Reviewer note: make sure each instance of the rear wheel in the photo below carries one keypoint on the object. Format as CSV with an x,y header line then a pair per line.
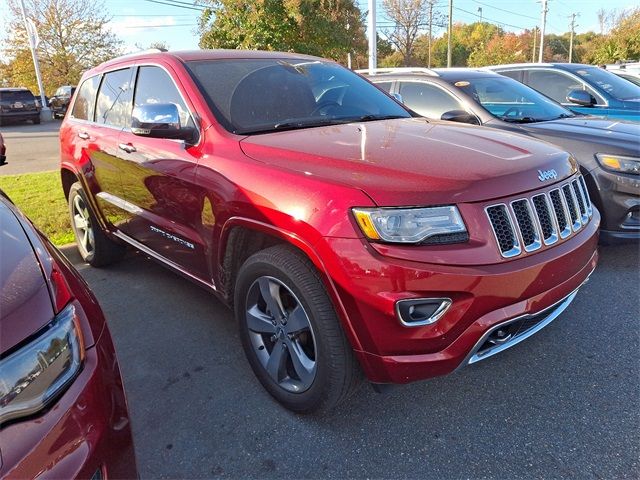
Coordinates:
x,y
291,334
94,246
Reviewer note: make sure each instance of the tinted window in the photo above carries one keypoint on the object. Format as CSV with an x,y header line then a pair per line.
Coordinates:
x,y
259,95
612,84
515,74
16,96
114,99
553,84
512,101
428,100
386,86
86,99
156,86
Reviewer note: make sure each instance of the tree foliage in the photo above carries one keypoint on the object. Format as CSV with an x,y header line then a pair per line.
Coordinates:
x,y
409,17
73,37
328,28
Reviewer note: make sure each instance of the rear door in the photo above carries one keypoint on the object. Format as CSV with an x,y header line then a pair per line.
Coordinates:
x,y
112,113
158,178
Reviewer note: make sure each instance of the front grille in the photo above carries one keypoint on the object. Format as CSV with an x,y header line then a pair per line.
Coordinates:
x,y
503,230
543,218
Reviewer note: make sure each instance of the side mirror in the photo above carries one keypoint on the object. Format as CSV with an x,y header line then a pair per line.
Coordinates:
x,y
581,97
460,116
159,120
398,97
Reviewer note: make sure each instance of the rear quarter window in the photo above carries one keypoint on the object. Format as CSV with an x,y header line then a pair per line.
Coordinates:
x,y
86,99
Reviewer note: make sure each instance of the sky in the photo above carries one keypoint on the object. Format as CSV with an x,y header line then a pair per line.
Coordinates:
x,y
140,23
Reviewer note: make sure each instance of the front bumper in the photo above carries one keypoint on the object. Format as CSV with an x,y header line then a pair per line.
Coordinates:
x,y
85,433
369,286
617,196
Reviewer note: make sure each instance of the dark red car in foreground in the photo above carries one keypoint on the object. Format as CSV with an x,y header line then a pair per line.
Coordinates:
x,y
349,236
63,412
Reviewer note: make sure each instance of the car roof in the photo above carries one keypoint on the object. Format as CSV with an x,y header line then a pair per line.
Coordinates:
x,y
195,55
562,66
14,89
444,74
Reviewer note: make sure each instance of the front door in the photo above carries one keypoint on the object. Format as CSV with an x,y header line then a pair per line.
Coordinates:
x,y
158,179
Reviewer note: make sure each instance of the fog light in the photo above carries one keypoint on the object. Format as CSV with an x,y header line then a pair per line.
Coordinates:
x,y
417,312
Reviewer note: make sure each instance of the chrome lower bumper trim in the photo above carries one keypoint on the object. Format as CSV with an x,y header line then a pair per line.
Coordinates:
x,y
553,312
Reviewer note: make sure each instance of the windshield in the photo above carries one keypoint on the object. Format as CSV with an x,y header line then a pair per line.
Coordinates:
x,y
512,101
261,95
615,86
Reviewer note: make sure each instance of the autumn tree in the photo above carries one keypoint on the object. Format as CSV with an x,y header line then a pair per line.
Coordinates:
x,y
73,34
328,28
409,17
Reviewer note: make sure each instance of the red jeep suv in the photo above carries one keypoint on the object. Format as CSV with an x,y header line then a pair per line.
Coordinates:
x,y
348,235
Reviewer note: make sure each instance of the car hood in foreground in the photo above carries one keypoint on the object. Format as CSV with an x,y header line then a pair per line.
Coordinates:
x,y
25,303
415,162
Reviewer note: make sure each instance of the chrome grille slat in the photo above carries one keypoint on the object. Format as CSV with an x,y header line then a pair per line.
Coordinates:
x,y
545,218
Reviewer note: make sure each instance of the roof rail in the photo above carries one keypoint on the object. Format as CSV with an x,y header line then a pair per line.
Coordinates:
x,y
426,71
140,52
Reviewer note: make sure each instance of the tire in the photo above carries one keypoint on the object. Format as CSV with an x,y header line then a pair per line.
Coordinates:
x,y
94,246
319,349
36,120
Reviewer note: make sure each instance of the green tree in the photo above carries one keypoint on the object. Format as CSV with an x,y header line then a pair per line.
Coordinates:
x,y
328,28
74,36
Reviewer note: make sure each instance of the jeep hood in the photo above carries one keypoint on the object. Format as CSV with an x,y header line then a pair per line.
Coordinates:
x,y
414,161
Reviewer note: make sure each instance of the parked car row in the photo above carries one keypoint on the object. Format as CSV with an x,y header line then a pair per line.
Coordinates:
x,y
20,104
607,150
354,236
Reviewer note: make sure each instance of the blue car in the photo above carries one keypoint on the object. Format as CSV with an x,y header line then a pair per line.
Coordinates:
x,y
584,89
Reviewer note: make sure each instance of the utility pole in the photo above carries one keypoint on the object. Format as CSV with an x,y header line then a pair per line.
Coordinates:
x,y
449,34
535,37
431,2
373,53
32,34
545,9
573,28
480,13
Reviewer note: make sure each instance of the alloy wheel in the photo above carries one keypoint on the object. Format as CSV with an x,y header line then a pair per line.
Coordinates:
x,y
281,334
82,226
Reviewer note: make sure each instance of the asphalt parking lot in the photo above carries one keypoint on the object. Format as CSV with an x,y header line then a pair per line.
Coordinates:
x,y
31,148
564,404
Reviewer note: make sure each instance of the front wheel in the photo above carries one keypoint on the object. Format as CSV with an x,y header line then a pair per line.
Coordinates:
x,y
291,334
94,246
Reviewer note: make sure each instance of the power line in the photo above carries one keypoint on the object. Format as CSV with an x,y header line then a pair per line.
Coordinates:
x,y
162,25
491,20
198,9
506,11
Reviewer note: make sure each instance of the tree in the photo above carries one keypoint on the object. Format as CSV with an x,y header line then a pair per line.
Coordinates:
x,y
74,36
328,28
409,16
507,48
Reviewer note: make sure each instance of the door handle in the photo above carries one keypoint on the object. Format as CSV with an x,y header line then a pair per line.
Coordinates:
x,y
83,135
127,147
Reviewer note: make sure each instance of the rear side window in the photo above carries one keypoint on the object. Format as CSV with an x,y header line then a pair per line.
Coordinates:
x,y
428,100
114,99
86,99
515,74
553,84
154,85
386,86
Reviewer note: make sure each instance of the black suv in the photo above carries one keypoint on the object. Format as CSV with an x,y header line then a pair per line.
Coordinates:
x,y
60,101
18,104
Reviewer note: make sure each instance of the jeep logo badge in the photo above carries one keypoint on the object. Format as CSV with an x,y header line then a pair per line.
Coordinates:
x,y
547,175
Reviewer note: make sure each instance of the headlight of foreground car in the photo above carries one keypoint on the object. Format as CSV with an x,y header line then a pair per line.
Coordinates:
x,y
412,225
619,163
37,373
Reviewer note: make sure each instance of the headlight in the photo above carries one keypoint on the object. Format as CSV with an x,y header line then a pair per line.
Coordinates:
x,y
35,374
619,163
412,225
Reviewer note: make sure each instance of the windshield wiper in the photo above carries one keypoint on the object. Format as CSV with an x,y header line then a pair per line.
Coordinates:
x,y
521,120
371,117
